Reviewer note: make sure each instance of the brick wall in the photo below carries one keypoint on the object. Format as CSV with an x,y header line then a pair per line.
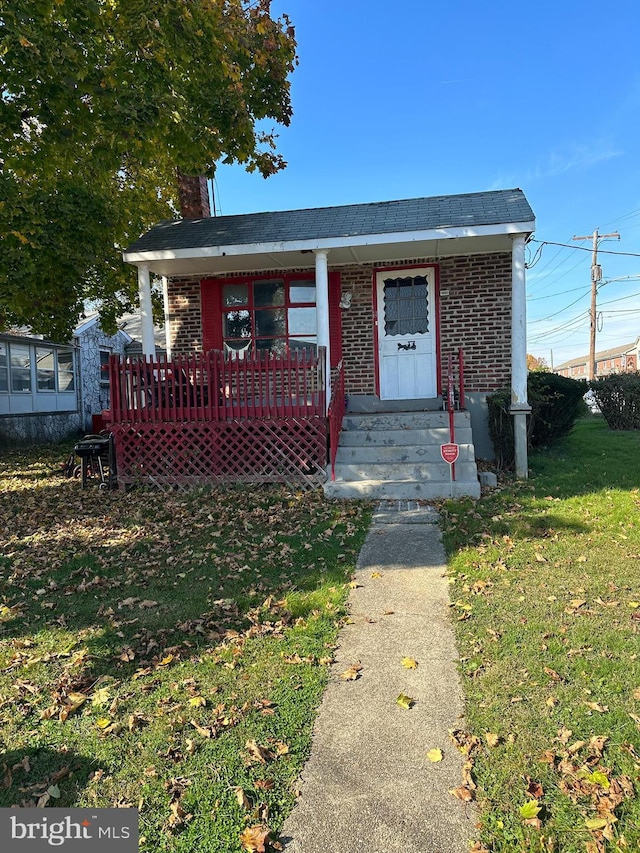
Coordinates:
x,y
475,314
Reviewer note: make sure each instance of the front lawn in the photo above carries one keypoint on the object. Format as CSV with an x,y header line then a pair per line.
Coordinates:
x,y
165,650
546,604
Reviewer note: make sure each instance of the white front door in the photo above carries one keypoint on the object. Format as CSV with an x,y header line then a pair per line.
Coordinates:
x,y
407,334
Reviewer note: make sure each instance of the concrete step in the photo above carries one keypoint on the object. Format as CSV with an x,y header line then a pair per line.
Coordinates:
x,y
409,471
404,453
401,489
396,456
404,437
404,420
365,403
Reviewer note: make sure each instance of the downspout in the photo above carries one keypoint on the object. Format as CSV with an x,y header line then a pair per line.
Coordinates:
x,y
146,311
520,407
322,313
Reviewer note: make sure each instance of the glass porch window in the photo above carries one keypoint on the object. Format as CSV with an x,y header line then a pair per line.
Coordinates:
x,y
269,315
4,369
66,379
20,368
45,369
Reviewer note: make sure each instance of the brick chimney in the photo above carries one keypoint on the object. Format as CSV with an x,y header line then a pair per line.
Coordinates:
x,y
193,193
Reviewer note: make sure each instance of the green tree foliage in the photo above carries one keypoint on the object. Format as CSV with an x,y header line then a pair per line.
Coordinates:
x,y
101,101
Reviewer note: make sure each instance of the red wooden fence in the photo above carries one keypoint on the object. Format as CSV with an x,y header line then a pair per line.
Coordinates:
x,y
217,387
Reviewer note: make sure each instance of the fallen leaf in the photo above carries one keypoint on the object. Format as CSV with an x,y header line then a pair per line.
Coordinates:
x,y
595,706
535,789
178,817
254,837
409,663
352,673
595,823
530,809
553,675
540,558
636,694
258,753
242,798
197,701
434,755
100,697
462,793
405,701
376,574
492,739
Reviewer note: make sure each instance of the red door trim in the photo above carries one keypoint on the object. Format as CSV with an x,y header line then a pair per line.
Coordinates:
x,y
436,289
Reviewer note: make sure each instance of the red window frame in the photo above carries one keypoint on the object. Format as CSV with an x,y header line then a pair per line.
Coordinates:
x,y
212,309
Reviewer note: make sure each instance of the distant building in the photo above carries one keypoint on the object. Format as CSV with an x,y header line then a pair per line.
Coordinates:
x,y
620,359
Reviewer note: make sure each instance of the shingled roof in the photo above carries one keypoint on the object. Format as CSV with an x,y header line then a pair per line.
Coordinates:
x,y
496,207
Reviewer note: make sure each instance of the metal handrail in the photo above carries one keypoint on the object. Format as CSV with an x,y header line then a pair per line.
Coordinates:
x,y
335,414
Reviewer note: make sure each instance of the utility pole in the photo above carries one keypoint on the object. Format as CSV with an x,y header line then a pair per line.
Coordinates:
x,y
596,278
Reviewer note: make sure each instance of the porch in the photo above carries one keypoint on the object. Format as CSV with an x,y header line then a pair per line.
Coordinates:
x,y
219,417
215,418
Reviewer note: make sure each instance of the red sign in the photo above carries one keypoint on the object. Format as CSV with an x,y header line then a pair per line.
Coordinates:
x,y
450,452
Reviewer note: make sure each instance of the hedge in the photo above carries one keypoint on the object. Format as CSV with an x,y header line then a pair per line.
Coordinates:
x,y
556,402
618,398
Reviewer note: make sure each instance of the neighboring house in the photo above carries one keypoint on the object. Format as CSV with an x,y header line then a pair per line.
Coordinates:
x,y
620,359
94,348
387,290
51,391
39,390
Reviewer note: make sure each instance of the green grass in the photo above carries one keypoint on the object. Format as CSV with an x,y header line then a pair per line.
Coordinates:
x,y
146,638
545,589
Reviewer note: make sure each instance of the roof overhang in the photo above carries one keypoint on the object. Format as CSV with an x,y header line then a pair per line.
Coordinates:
x,y
359,249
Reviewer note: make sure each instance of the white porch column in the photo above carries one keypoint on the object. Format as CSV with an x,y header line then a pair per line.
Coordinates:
x,y
167,321
322,311
146,311
520,407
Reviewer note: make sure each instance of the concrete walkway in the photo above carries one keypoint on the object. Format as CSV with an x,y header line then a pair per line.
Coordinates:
x,y
368,784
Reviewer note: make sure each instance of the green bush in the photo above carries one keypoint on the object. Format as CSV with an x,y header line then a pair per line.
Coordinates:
x,y
618,397
556,402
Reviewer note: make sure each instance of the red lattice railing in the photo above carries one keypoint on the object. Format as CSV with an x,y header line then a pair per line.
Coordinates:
x,y
281,450
335,413
217,387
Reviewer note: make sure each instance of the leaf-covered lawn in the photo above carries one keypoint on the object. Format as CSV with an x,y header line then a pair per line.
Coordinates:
x,y
546,603
165,651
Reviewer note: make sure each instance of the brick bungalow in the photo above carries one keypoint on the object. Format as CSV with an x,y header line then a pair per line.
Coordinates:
x,y
388,290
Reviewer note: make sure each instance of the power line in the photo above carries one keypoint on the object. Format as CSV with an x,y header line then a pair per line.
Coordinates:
x,y
586,248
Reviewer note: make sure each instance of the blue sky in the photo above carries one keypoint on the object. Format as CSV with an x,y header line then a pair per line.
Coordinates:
x,y
408,99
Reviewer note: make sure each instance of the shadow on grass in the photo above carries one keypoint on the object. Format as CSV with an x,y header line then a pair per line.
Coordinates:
x,y
26,775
